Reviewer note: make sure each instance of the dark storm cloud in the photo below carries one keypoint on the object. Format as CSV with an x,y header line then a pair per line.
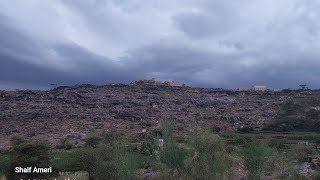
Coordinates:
x,y
227,70
207,43
18,54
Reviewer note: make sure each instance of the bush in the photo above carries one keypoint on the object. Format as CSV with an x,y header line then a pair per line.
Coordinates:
x,y
92,141
173,156
64,161
302,153
278,143
128,166
147,148
4,163
316,174
25,154
146,162
65,143
215,129
111,137
299,115
157,133
255,156
245,129
101,162
240,140
208,158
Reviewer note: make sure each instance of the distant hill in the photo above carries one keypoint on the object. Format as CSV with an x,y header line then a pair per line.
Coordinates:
x,y
77,111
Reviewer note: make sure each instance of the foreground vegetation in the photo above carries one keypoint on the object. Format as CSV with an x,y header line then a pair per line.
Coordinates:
x,y
196,154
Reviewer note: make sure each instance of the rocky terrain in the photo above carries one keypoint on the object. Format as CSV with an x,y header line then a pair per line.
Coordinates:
x,y
78,111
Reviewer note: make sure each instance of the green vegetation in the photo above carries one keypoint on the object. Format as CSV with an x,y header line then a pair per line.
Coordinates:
x,y
209,159
255,156
93,141
4,163
27,153
171,154
101,162
65,144
199,153
298,115
215,129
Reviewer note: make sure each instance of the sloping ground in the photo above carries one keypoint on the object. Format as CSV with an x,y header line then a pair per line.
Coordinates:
x,y
77,111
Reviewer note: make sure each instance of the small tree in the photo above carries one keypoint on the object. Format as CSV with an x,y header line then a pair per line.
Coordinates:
x,y
25,154
171,154
101,162
209,157
255,157
303,87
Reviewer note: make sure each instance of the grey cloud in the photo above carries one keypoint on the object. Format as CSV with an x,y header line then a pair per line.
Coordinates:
x,y
207,43
212,18
223,70
18,53
198,25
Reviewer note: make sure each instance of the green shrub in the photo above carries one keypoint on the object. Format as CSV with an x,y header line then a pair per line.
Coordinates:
x,y
25,154
241,140
292,174
4,163
101,162
147,148
278,143
65,143
208,158
255,156
64,161
157,133
167,130
215,129
133,148
173,156
146,162
316,174
111,137
302,152
128,166
298,115
245,130
93,141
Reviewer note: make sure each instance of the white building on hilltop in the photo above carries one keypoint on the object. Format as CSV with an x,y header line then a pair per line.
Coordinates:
x,y
259,88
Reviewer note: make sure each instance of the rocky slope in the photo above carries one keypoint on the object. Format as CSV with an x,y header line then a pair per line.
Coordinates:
x,y
78,111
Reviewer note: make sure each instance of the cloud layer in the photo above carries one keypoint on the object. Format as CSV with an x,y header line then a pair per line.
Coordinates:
x,y
208,43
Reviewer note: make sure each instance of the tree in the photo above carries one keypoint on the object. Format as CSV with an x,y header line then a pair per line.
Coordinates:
x,y
303,87
101,162
26,154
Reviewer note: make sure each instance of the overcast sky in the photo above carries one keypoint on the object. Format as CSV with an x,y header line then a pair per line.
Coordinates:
x,y
206,43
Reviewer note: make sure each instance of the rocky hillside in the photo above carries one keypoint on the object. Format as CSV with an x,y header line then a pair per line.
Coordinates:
x,y
78,111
